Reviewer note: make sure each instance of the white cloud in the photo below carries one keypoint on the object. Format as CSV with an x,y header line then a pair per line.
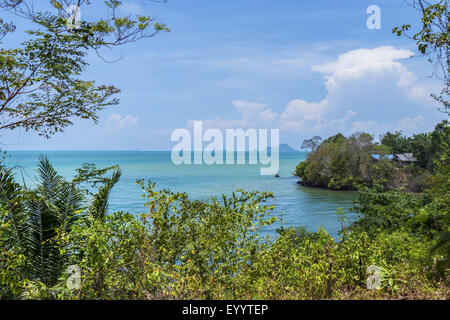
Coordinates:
x,y
407,125
411,124
116,122
252,115
353,63
130,8
306,110
372,65
367,90
366,126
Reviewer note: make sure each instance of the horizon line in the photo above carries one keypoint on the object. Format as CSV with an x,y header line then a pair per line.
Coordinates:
x,y
131,151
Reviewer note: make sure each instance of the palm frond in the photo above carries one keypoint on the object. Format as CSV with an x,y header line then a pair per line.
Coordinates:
x,y
48,179
36,216
53,206
99,206
70,204
43,223
11,201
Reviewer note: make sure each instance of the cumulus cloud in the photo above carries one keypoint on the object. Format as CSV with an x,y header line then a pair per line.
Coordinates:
x,y
117,122
367,90
356,63
251,115
370,66
407,125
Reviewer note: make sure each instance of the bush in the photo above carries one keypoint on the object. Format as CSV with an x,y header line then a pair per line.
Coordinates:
x,y
213,249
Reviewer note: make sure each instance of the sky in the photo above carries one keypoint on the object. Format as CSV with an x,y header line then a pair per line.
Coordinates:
x,y
304,67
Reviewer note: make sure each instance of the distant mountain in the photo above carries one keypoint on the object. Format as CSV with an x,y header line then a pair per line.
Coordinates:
x,y
284,147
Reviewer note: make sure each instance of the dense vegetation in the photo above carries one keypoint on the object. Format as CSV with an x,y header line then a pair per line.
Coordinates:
x,y
347,163
189,249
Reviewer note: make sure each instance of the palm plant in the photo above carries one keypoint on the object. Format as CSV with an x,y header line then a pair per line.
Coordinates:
x,y
54,204
99,205
11,195
36,216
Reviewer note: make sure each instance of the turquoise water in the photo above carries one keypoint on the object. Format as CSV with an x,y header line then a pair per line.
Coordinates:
x,y
297,205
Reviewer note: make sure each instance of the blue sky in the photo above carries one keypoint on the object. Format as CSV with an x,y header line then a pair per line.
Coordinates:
x,y
305,67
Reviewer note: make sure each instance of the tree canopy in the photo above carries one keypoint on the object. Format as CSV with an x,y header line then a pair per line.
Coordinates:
x,y
347,163
41,83
433,39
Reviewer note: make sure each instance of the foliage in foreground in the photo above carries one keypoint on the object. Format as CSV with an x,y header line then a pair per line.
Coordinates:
x,y
32,219
190,249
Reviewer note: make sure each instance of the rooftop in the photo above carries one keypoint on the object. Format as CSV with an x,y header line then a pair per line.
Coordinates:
x,y
405,157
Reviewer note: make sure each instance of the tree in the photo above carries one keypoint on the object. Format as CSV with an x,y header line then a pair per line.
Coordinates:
x,y
396,141
311,144
431,147
346,164
40,83
36,216
110,30
421,148
433,41
359,146
440,138
6,27
30,219
338,138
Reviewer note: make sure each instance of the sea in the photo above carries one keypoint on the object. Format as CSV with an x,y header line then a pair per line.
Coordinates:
x,y
296,205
